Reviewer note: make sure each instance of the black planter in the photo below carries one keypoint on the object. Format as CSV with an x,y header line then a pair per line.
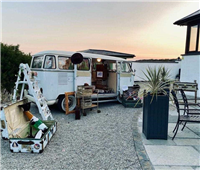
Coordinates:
x,y
155,116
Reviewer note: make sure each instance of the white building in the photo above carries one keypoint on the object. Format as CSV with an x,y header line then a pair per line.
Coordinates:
x,y
190,64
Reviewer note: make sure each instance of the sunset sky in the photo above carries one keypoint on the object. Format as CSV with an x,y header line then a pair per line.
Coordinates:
x,y
142,28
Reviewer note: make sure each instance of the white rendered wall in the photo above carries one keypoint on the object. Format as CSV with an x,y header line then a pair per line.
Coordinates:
x,y
140,67
190,70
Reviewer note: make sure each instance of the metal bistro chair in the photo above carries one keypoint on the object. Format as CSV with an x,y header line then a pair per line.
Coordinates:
x,y
189,115
187,109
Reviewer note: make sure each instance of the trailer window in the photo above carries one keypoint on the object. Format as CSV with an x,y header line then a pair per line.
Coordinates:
x,y
50,62
65,63
84,65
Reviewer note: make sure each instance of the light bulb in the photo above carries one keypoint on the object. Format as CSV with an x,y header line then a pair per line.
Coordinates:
x,y
99,59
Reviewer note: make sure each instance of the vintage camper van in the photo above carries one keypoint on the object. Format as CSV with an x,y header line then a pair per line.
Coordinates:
x,y
56,74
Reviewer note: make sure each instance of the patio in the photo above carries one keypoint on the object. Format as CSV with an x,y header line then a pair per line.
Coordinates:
x,y
181,153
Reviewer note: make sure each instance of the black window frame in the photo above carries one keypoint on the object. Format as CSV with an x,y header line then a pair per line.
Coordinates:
x,y
187,48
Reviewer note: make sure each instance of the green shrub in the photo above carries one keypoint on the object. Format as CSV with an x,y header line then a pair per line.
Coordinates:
x,y
11,57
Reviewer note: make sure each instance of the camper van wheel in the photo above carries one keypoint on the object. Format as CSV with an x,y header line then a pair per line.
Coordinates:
x,y
71,103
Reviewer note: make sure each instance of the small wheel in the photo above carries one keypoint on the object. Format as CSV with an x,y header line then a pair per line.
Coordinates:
x,y
84,114
77,114
71,103
98,111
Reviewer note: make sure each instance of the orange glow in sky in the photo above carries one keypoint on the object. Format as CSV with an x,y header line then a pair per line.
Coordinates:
x,y
142,28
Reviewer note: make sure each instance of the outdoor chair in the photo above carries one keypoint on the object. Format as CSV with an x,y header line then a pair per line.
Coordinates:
x,y
187,110
186,101
188,115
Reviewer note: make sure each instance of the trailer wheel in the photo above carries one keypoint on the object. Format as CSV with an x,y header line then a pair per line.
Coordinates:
x,y
71,103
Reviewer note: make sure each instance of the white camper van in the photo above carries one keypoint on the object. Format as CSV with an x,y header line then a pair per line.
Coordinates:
x,y
56,74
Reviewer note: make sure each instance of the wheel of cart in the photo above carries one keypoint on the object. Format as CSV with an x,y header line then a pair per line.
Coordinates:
x,y
84,113
98,111
77,113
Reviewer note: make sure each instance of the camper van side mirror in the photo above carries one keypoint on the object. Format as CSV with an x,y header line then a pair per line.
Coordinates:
x,y
76,58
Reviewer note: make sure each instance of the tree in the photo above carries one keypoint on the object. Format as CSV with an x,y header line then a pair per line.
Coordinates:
x,y
11,57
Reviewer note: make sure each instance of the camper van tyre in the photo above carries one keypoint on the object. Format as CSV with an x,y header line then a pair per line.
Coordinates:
x,y
71,102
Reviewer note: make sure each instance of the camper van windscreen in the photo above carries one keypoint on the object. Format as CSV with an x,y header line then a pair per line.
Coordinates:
x,y
50,62
37,62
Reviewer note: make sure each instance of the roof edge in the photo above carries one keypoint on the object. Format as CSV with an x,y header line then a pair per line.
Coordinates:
x,y
193,17
108,53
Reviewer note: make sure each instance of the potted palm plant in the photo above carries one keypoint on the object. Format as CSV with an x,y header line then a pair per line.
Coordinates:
x,y
164,74
156,103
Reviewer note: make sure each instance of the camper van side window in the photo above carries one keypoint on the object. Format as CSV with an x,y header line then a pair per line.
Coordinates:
x,y
65,63
84,65
50,62
112,67
37,62
125,67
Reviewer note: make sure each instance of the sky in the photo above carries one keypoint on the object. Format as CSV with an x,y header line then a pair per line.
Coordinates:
x,y
142,28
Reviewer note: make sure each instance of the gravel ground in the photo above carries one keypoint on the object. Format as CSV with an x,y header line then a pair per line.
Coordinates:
x,y
97,141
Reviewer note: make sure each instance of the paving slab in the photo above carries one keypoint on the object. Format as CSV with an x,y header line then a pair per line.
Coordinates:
x,y
195,127
188,142
197,148
154,141
173,168
173,155
186,133
157,142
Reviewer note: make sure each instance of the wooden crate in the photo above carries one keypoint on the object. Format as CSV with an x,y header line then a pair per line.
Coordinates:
x,y
84,90
87,102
